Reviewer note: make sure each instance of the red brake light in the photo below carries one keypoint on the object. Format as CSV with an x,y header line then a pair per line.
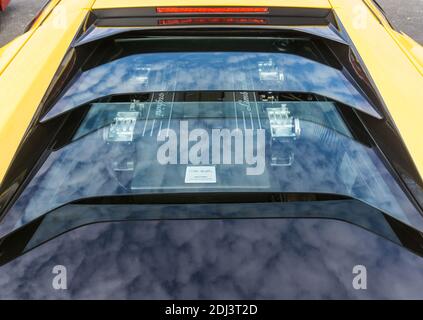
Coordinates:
x,y
212,21
219,10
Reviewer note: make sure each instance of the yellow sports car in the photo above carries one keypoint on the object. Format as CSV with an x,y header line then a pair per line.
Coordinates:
x,y
226,149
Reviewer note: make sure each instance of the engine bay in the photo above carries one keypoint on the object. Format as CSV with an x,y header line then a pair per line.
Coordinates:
x,y
238,138
211,141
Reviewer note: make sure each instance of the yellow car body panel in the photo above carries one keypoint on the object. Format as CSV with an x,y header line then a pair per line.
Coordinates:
x,y
9,51
25,80
412,49
106,4
397,78
44,14
28,65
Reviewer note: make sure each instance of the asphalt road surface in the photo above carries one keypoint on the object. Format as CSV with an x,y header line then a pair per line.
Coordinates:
x,y
406,15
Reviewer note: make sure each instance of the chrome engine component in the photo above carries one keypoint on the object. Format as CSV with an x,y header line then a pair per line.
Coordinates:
x,y
284,130
123,127
282,125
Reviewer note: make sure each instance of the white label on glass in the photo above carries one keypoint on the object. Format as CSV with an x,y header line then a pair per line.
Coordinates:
x,y
200,174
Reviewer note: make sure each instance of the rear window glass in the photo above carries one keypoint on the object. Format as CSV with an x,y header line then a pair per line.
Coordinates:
x,y
296,66
236,144
182,122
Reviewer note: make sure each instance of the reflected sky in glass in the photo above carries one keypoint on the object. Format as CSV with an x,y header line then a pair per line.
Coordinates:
x,y
216,259
203,71
326,159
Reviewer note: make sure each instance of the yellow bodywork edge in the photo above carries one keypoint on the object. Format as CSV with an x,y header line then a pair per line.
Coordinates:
x,y
395,75
10,50
24,82
411,48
